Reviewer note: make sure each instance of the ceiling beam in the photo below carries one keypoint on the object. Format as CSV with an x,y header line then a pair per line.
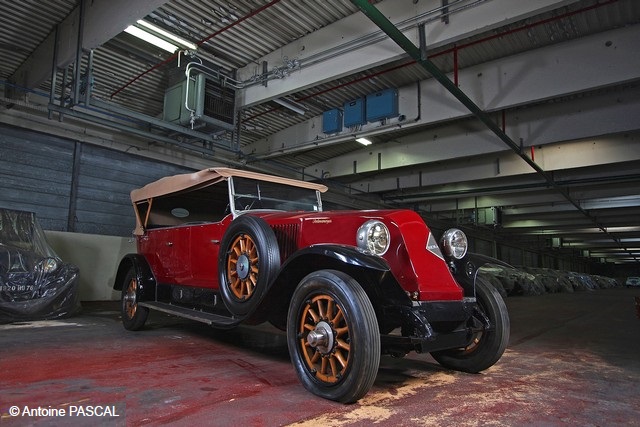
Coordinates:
x,y
103,20
582,65
439,168
351,45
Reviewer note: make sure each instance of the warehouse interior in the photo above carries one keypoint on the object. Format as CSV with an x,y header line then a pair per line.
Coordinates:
x,y
517,122
560,78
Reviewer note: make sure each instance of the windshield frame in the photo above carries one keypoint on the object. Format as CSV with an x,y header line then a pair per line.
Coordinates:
x,y
236,211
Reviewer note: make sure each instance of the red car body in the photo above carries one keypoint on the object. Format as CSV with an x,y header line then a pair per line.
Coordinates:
x,y
418,270
229,247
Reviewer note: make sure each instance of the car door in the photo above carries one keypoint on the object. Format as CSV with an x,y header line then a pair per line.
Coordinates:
x,y
205,247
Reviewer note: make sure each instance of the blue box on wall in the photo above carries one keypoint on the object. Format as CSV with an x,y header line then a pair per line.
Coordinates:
x,y
332,121
354,113
382,105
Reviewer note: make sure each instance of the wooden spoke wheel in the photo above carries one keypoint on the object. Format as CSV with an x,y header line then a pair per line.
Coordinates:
x,y
333,336
133,315
243,267
326,344
249,262
487,345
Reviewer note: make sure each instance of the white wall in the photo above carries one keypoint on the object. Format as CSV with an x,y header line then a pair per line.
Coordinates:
x,y
96,256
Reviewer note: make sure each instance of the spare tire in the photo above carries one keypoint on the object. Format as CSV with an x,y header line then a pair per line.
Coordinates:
x,y
249,261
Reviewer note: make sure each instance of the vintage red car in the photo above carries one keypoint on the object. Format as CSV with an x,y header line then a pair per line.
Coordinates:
x,y
229,247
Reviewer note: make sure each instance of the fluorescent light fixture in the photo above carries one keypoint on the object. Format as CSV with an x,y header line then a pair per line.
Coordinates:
x,y
364,141
150,38
178,40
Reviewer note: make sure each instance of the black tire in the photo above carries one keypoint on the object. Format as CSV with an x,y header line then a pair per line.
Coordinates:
x,y
486,347
133,315
341,362
249,261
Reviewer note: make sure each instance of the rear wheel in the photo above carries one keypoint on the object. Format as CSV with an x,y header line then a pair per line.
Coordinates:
x,y
487,344
133,316
333,336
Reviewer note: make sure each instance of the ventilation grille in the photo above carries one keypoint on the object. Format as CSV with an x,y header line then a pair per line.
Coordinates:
x,y
287,237
219,102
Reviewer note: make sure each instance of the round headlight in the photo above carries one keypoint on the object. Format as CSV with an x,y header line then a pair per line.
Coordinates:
x,y
373,236
454,243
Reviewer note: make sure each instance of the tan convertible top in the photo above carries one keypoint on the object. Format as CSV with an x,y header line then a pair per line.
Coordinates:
x,y
203,178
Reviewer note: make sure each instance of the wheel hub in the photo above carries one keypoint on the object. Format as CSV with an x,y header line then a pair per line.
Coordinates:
x,y
321,338
243,266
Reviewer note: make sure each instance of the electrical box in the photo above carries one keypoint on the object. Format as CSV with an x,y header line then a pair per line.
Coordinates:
x,y
174,110
382,105
332,121
489,216
354,113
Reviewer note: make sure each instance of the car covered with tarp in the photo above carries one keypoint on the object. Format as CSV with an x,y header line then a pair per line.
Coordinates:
x,y
35,284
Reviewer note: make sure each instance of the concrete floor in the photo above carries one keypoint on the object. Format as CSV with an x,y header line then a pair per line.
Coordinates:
x,y
573,359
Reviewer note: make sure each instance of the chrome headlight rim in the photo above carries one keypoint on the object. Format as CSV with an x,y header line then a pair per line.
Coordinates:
x,y
373,236
454,243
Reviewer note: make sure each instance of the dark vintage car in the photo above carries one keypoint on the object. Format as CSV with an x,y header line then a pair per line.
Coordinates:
x,y
35,284
229,247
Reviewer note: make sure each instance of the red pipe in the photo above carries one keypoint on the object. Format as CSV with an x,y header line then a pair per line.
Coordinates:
x,y
455,66
533,156
200,43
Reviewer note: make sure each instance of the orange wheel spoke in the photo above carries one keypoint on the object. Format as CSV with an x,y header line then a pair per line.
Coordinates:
x,y
330,308
340,357
342,331
334,367
314,315
344,345
338,317
324,366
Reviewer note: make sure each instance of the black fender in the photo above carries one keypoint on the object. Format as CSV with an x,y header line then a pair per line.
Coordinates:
x,y
372,273
465,270
146,279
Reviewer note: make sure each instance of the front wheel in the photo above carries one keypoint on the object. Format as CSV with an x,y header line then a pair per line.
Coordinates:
x,y
487,345
133,315
333,336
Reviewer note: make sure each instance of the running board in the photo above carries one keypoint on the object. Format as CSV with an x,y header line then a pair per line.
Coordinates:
x,y
215,320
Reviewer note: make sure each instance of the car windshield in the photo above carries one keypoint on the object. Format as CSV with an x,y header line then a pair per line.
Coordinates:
x,y
251,194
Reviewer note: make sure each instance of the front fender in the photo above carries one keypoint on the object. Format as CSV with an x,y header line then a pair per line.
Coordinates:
x,y
466,269
372,273
346,255
144,275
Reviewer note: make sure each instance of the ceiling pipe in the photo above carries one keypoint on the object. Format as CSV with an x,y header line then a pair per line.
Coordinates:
x,y
415,52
